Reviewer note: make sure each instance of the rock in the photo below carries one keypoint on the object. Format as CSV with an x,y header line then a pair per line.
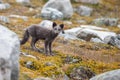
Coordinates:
x,y
106,21
81,73
112,40
4,19
118,36
86,35
63,6
96,40
88,32
110,75
81,21
72,34
9,57
88,1
46,23
30,56
118,26
84,10
4,6
69,59
25,18
48,64
29,64
24,2
51,14
43,78
66,77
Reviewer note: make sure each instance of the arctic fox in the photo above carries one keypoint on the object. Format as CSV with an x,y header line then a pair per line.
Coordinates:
x,y
37,32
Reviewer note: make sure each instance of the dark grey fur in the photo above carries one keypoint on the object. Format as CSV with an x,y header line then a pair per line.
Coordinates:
x,y
37,32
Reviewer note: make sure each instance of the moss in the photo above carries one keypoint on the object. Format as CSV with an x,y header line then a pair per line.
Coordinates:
x,y
96,66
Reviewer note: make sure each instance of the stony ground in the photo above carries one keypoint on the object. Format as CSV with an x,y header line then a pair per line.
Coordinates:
x,y
98,57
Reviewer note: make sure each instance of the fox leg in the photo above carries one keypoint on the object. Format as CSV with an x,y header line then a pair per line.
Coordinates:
x,y
34,40
50,49
46,47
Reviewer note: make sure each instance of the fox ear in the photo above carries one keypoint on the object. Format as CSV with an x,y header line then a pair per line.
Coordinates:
x,y
62,26
54,24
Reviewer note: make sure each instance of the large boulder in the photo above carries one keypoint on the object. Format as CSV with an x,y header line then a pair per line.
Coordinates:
x,y
4,6
81,73
110,75
88,1
9,54
112,40
86,35
64,6
106,21
51,14
84,10
87,32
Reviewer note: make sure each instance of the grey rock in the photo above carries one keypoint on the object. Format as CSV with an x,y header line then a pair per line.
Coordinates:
x,y
46,24
49,64
28,55
118,36
93,31
69,59
70,34
66,77
63,6
51,13
75,60
84,10
88,1
29,64
96,40
25,18
4,19
112,40
110,75
23,1
9,59
81,73
43,78
118,25
106,21
86,35
81,21
4,6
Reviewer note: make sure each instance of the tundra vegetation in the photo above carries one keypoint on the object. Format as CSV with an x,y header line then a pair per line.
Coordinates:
x,y
96,56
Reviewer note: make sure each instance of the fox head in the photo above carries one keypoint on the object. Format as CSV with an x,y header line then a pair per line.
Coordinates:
x,y
58,28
